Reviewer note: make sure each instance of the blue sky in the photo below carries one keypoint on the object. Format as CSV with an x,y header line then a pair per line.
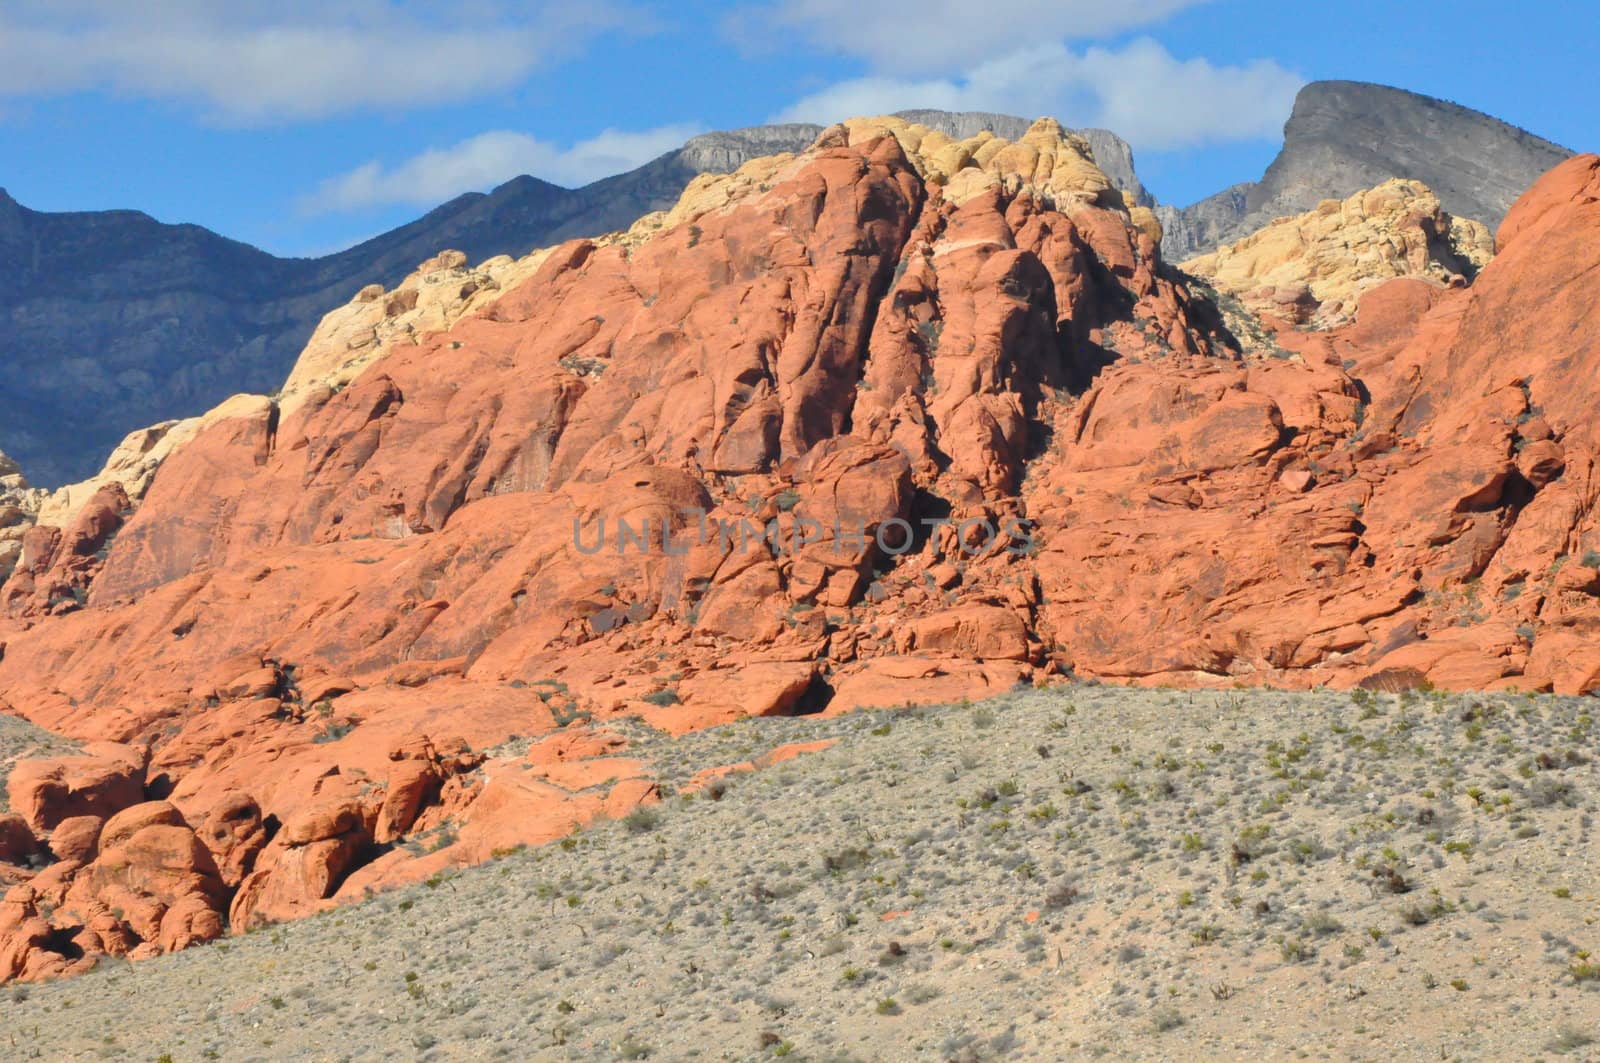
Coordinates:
x,y
303,127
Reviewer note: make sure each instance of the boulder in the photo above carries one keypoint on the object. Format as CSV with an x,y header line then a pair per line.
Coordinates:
x,y
17,842
130,821
76,839
411,782
977,632
102,782
235,834
303,864
142,876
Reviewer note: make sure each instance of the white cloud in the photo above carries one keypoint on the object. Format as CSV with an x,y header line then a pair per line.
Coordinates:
x,y
919,36
1140,91
486,160
272,60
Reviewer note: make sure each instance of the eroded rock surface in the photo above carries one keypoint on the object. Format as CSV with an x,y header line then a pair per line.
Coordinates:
x,y
114,314
979,436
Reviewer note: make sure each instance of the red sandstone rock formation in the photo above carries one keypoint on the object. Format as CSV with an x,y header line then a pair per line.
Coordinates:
x,y
854,345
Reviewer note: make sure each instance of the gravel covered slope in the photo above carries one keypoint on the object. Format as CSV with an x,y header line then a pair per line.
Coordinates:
x,y
1079,872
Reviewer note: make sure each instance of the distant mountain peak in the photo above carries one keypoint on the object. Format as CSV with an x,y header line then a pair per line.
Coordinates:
x,y
523,183
1346,136
1343,98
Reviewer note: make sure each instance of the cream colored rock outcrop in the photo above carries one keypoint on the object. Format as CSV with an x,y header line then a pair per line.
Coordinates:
x,y
1313,267
19,504
135,461
376,321
1054,165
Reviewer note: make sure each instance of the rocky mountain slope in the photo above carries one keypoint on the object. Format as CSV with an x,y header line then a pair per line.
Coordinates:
x,y
1346,136
366,796
114,320
902,418
1073,873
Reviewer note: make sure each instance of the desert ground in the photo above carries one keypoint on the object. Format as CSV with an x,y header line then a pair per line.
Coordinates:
x,y
1076,872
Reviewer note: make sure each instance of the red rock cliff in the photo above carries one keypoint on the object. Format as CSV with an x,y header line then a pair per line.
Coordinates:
x,y
296,650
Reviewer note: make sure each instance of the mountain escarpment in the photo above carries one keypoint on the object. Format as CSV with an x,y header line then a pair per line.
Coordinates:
x,y
350,637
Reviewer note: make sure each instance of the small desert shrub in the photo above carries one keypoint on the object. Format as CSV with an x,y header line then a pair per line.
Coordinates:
x,y
333,732
628,1048
846,859
1569,1039
1414,915
1061,895
642,819
1583,969
1322,923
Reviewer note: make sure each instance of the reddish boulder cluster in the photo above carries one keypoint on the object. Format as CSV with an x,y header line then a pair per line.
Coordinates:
x,y
980,440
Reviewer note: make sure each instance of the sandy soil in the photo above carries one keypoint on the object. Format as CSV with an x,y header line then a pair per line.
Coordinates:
x,y
1075,873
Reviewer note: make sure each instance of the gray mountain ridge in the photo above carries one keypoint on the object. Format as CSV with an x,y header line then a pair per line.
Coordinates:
x,y
1345,136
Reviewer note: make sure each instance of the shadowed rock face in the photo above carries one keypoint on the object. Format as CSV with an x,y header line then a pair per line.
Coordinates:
x,y
1345,136
114,320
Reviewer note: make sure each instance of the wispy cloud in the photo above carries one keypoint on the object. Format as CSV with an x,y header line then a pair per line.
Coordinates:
x,y
911,37
1140,91
252,61
486,160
